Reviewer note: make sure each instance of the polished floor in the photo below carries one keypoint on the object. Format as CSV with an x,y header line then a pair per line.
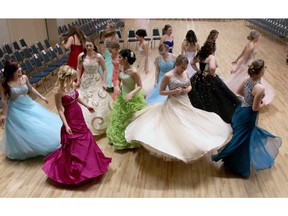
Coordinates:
x,y
138,174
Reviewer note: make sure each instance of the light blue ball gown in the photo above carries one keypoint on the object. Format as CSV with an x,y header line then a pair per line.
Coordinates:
x,y
30,129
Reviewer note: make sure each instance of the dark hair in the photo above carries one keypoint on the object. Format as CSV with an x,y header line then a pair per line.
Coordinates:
x,y
78,31
166,27
181,59
141,33
9,69
255,67
207,49
127,53
191,37
89,39
212,35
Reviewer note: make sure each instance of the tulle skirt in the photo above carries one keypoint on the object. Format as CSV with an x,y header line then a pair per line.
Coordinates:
x,y
30,129
249,144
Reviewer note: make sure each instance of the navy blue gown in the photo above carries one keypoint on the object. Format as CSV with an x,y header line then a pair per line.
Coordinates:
x,y
250,143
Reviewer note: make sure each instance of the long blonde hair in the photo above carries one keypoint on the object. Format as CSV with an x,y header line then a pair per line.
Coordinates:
x,y
66,76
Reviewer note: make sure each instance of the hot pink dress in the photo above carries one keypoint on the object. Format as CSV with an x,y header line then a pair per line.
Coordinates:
x,y
79,158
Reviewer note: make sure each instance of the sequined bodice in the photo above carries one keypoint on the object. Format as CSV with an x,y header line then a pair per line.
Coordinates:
x,y
248,97
128,82
166,66
175,83
17,91
91,66
69,98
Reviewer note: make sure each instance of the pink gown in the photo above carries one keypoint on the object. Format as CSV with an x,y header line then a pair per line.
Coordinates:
x,y
115,63
79,158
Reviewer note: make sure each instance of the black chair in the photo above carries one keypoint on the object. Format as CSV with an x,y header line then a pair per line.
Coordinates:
x,y
47,44
34,49
26,52
34,80
121,40
16,45
155,36
1,53
40,46
7,48
23,42
131,37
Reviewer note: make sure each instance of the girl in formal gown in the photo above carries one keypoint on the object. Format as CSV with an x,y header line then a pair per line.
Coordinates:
x,y
174,129
74,41
114,48
250,144
29,128
164,63
92,89
79,158
167,37
146,66
189,48
240,66
209,92
109,34
129,100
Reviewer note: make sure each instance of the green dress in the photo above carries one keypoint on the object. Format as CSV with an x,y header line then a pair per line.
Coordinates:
x,y
123,112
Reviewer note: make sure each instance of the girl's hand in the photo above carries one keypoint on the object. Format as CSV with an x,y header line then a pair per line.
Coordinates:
x,y
117,90
91,109
178,90
68,130
104,86
3,118
45,99
128,97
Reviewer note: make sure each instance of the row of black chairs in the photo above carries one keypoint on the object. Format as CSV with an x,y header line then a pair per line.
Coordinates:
x,y
132,37
277,28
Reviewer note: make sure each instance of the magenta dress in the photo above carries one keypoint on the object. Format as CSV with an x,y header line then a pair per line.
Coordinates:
x,y
79,158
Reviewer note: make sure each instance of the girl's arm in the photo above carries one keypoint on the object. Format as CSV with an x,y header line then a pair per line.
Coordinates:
x,y
33,90
79,69
81,101
145,48
156,70
58,101
240,90
103,66
4,105
212,65
164,84
244,55
193,64
68,43
258,93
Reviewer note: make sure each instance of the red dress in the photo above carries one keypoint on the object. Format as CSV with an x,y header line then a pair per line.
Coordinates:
x,y
75,50
79,157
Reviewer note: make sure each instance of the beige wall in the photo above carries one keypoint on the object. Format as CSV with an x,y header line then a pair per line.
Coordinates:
x,y
32,30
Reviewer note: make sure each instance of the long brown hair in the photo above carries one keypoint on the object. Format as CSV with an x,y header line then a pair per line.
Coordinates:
x,y
9,69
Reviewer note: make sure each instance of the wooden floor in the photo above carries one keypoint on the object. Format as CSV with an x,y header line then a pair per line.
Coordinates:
x,y
138,174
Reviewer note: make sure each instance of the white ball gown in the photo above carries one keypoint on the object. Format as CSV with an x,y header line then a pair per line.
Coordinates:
x,y
174,129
